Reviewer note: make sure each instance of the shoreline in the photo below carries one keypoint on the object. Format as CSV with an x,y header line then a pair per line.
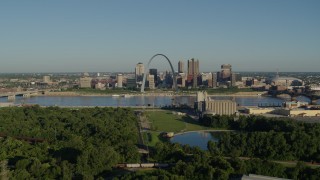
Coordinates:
x,y
77,94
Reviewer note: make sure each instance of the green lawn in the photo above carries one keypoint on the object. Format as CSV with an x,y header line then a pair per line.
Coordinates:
x,y
151,138
168,122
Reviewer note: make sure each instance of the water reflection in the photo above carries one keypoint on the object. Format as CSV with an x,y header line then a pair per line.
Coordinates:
x,y
196,139
156,101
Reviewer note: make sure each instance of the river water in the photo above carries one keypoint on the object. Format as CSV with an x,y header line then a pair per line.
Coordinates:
x,y
156,101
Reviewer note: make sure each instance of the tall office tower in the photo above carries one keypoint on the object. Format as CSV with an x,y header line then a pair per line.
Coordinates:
x,y
193,70
209,80
233,79
193,67
131,83
225,72
119,80
139,71
180,67
181,80
150,79
46,79
238,77
214,80
168,79
155,75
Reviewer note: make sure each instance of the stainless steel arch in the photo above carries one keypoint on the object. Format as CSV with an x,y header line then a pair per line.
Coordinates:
x,y
147,70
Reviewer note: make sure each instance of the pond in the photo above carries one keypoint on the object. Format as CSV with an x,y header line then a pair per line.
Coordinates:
x,y
198,138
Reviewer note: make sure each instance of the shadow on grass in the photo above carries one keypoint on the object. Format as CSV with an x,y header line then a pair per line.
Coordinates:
x,y
189,120
161,139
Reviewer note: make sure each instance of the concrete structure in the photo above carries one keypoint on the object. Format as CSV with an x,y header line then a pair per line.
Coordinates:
x,y
11,98
193,70
180,67
154,72
119,80
221,107
294,104
139,70
212,80
298,112
233,79
100,86
286,81
193,67
151,83
46,79
225,72
206,105
257,110
85,82
131,83
202,96
181,80
172,70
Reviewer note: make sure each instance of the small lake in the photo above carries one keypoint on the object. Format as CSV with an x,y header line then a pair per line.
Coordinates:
x,y
199,139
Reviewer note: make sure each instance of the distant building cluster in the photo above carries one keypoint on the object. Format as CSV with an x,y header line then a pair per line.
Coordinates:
x,y
109,81
189,77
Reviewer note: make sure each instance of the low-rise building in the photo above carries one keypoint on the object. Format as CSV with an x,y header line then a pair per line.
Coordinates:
x,y
294,104
85,82
299,112
257,110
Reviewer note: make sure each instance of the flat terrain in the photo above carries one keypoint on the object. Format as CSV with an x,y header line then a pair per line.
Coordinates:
x,y
166,121
169,122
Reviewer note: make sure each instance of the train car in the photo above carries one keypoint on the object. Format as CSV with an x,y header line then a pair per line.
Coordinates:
x,y
161,165
133,165
147,165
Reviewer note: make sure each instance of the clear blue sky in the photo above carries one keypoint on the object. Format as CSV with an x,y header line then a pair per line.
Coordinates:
x,y
106,35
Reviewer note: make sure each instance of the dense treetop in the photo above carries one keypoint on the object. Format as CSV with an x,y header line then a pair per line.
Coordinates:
x,y
82,143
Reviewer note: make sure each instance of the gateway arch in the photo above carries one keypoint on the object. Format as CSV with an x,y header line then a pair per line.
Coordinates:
x,y
147,70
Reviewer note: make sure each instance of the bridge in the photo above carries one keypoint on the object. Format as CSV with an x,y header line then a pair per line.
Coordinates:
x,y
25,94
314,96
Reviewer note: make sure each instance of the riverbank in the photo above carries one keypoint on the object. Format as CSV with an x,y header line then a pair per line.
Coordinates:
x,y
191,94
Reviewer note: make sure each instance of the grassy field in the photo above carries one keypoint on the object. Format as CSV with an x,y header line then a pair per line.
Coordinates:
x,y
169,122
151,138
166,121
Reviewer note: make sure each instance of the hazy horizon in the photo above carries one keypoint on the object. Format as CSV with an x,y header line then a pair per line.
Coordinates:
x,y
113,36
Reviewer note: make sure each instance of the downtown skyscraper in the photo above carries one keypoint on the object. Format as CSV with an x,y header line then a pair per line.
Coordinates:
x,y
193,71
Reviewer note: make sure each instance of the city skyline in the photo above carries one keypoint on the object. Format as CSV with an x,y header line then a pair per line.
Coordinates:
x,y
112,36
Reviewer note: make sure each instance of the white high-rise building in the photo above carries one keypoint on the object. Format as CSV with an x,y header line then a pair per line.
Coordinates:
x,y
119,80
139,69
150,79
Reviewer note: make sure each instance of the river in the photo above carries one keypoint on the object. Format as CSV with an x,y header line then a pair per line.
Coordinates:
x,y
156,101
